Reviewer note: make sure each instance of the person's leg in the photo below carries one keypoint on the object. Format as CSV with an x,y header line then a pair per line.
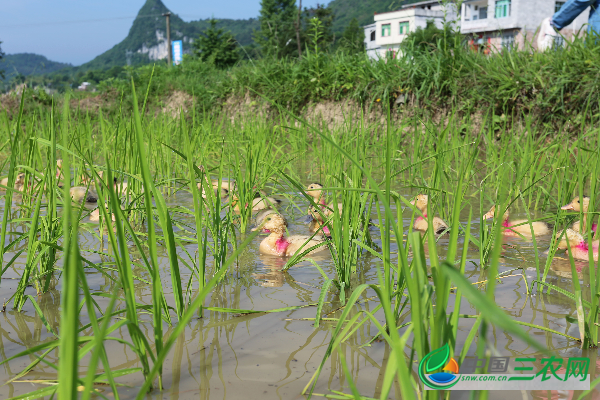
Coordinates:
x,y
567,13
570,10
594,20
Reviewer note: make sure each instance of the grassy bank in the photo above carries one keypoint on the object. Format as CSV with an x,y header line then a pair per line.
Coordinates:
x,y
555,87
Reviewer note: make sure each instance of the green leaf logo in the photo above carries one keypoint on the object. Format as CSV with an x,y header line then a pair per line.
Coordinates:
x,y
438,358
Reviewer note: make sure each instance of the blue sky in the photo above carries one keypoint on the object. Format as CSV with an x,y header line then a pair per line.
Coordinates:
x,y
50,27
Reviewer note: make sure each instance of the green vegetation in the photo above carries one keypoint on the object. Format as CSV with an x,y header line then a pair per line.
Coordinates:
x,y
353,37
216,46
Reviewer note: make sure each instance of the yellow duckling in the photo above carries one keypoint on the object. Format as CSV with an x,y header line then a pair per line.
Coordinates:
x,y
19,182
80,194
539,228
258,203
579,247
278,244
315,190
95,215
577,205
260,219
421,224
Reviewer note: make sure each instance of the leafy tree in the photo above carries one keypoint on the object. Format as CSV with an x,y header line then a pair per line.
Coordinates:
x,y
325,16
353,38
216,46
277,34
430,38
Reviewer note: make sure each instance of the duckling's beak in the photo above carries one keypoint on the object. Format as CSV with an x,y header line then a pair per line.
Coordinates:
x,y
488,216
567,207
412,203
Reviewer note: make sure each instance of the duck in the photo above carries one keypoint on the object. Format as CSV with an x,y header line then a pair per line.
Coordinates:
x,y
80,193
579,247
260,219
95,215
315,190
421,224
539,228
577,205
228,185
258,203
278,244
19,182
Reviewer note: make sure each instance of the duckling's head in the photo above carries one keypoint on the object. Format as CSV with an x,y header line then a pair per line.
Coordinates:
x,y
315,190
574,238
577,205
20,179
420,202
490,214
274,223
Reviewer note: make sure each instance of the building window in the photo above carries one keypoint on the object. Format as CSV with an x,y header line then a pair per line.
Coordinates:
x,y
502,8
373,36
508,41
386,30
403,28
558,5
482,12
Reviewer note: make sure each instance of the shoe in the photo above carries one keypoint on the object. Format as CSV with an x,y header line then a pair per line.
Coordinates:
x,y
546,36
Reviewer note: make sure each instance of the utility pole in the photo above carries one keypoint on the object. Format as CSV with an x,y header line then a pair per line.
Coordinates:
x,y
170,56
298,29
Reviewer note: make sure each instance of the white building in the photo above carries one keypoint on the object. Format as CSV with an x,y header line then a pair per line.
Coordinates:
x,y
392,27
370,40
497,24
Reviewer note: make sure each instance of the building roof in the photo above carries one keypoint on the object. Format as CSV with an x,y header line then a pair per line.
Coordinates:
x,y
421,3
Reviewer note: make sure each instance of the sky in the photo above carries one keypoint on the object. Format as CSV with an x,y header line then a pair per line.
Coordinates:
x,y
76,31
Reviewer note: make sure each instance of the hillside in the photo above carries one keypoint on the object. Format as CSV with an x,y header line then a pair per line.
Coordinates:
x,y
146,41
363,11
28,64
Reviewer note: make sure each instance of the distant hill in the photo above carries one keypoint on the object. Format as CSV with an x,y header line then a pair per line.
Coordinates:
x,y
146,41
28,64
362,10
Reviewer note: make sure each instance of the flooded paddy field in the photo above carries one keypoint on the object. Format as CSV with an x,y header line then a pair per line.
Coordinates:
x,y
265,328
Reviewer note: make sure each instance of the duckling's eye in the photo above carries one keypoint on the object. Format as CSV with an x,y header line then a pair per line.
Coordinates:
x,y
577,201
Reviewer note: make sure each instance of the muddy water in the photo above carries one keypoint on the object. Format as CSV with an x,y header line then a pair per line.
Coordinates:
x,y
273,355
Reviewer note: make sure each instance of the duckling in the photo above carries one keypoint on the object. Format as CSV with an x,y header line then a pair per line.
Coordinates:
x,y
95,215
439,226
315,190
19,182
228,185
260,219
539,228
579,247
277,244
577,205
217,192
258,203
80,193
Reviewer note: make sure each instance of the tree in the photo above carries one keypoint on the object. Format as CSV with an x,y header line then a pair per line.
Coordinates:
x,y
353,38
277,34
325,34
216,46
